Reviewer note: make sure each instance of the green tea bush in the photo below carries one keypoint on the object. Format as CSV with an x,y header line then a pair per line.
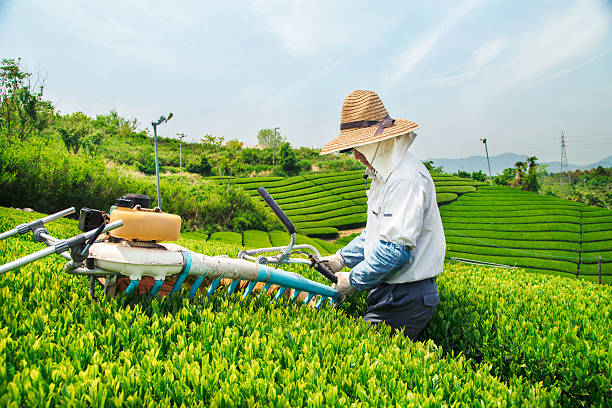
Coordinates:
x,y
546,329
443,198
324,232
304,198
528,227
256,239
60,348
231,238
356,209
323,208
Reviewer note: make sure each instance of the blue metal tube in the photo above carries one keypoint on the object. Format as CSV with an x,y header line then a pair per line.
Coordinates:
x,y
293,280
196,285
132,286
182,276
320,302
249,289
213,286
232,287
156,287
309,298
279,293
296,293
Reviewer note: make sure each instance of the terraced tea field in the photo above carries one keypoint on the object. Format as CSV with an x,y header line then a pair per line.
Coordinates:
x,y
322,204
483,223
539,233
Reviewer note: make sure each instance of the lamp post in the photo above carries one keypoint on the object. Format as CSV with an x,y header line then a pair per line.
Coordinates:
x,y
181,136
274,149
162,119
488,164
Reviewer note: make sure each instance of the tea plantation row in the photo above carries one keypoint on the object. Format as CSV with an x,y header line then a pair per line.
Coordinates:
x,y
57,347
540,233
524,339
322,204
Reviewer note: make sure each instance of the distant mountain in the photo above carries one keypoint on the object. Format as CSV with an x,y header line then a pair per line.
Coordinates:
x,y
503,161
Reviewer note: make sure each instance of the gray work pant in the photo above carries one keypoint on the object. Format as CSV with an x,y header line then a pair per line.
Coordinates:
x,y
406,307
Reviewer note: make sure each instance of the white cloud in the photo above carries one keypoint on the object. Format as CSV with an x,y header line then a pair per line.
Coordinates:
x,y
557,43
404,62
478,63
314,26
487,53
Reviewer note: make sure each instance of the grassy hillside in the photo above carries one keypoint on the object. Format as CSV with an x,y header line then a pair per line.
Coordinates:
x,y
517,333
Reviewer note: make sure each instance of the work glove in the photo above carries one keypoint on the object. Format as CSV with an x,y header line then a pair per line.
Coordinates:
x,y
334,262
343,286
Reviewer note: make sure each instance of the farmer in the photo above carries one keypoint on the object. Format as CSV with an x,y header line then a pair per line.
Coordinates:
x,y
401,250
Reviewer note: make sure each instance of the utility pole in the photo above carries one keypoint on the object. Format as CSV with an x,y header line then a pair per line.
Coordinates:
x,y
564,158
488,163
274,149
162,119
181,136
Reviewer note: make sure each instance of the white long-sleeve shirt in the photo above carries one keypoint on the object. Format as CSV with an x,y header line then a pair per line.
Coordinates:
x,y
402,209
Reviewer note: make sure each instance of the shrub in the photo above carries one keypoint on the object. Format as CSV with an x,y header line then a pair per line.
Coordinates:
x,y
202,167
146,162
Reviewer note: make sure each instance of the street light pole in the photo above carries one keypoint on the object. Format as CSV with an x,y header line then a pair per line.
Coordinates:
x,y
162,119
488,163
274,149
181,136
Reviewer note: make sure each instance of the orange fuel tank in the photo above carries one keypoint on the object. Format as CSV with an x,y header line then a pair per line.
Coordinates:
x,y
143,224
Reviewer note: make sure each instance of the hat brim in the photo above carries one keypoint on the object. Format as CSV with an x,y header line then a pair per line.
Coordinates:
x,y
351,138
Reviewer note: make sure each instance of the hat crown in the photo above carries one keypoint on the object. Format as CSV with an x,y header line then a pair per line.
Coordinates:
x,y
362,105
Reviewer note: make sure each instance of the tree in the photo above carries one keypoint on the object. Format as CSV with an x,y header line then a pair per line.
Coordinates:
x,y
530,181
77,132
520,171
505,179
429,165
214,145
233,157
287,160
22,109
265,137
478,176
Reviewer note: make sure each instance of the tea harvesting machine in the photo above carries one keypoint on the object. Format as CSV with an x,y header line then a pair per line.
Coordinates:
x,y
128,246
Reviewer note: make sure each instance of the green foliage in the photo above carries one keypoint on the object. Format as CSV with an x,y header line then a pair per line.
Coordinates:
x,y
202,167
506,177
78,132
228,237
265,137
530,326
592,187
287,159
146,162
22,109
41,174
256,239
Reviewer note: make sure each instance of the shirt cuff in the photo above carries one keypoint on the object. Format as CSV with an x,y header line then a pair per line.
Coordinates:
x,y
386,260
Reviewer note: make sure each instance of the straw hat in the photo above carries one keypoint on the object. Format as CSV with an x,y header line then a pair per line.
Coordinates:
x,y
365,120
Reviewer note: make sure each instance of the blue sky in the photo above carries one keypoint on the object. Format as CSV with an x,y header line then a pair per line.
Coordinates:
x,y
517,73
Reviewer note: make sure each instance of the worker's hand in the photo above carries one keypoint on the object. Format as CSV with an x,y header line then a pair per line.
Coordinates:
x,y
334,262
344,285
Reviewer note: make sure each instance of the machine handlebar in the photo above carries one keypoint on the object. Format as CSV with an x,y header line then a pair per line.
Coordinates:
x,y
277,210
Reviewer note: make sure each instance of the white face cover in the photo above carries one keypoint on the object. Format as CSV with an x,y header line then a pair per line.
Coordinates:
x,y
385,156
